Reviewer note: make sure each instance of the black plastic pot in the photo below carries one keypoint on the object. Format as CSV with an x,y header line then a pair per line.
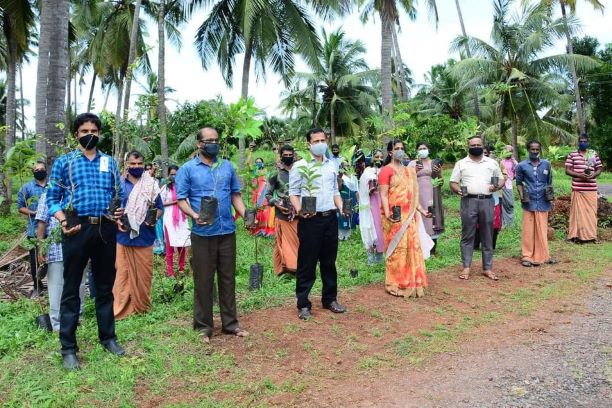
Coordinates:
x,y
347,207
309,205
396,213
255,276
208,210
72,218
286,202
495,180
430,209
114,205
43,321
549,193
464,191
249,218
125,221
353,273
151,217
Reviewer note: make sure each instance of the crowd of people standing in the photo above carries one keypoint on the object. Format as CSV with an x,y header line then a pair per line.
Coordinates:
x,y
110,221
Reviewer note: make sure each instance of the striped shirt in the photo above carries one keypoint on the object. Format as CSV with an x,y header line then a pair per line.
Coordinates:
x,y
577,162
94,183
54,252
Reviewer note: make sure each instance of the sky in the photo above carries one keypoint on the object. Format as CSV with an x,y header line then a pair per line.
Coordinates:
x,y
422,45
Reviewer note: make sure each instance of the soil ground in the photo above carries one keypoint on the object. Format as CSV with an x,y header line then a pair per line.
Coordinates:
x,y
526,340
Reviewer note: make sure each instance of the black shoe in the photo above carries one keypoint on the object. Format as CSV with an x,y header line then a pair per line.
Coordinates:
x,y
71,362
335,307
304,313
114,348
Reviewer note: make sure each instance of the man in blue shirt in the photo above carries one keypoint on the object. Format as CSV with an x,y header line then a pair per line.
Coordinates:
x,y
533,178
213,242
85,180
318,232
27,203
132,289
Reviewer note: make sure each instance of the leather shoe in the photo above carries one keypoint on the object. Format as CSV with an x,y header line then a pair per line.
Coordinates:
x,y
304,313
71,362
114,348
335,307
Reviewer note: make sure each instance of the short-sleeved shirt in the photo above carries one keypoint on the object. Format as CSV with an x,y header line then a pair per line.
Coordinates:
x,y
196,179
535,178
146,234
326,185
577,162
278,189
54,252
28,196
476,175
95,182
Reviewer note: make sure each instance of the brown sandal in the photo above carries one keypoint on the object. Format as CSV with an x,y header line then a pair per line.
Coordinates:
x,y
464,275
490,275
238,332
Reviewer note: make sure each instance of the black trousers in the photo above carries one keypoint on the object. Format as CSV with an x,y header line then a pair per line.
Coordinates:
x,y
210,254
33,267
97,242
318,238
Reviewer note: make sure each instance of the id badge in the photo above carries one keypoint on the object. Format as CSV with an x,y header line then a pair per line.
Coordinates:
x,y
104,163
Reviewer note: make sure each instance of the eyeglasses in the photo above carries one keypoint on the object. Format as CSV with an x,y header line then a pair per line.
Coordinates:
x,y
210,141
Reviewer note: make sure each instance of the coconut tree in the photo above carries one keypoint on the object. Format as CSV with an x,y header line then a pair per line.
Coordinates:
x,y
343,96
513,67
389,14
268,32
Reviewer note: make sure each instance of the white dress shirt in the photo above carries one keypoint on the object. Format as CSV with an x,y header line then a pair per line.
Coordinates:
x,y
326,186
476,175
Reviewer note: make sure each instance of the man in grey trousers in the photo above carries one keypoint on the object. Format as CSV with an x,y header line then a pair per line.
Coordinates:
x,y
474,178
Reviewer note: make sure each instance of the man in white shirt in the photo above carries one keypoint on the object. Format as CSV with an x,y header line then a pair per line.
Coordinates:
x,y
474,178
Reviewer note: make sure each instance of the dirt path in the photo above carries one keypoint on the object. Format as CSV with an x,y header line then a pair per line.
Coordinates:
x,y
428,352
559,362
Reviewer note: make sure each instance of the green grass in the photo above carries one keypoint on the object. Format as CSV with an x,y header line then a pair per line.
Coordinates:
x,y
166,356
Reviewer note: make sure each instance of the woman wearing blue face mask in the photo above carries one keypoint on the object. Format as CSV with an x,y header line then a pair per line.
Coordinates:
x,y
265,213
429,177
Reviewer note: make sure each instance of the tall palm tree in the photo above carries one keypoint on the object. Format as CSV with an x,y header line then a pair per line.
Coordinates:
x,y
468,53
512,66
343,95
389,13
571,4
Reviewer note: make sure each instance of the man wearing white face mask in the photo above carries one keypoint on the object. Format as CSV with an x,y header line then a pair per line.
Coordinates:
x,y
318,231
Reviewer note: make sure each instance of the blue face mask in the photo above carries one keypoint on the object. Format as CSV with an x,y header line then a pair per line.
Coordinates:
x,y
582,146
210,149
318,149
136,171
259,165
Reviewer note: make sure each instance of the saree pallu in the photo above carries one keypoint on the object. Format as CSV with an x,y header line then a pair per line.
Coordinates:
x,y
265,214
583,216
405,270
132,288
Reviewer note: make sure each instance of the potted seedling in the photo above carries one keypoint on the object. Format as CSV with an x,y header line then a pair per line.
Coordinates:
x,y
210,204
310,172
250,182
256,270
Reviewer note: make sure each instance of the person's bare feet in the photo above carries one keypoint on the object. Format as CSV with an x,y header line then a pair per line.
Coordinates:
x,y
237,332
490,275
465,275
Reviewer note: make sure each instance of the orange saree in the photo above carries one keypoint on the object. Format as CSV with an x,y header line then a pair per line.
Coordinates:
x,y
405,274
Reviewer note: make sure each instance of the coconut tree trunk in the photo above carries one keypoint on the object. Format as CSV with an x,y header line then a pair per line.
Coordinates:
x,y
68,100
58,76
117,139
11,112
314,103
108,92
570,51
332,120
399,68
515,131
128,76
385,68
469,55
22,102
244,94
91,92
42,75
161,85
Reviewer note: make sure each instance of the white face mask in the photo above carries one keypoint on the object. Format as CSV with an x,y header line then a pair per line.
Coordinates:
x,y
318,149
423,153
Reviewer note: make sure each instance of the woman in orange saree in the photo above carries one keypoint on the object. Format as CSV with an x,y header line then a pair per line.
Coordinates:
x,y
405,270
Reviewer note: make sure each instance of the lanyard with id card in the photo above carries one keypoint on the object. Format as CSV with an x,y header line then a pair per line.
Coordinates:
x,y
104,164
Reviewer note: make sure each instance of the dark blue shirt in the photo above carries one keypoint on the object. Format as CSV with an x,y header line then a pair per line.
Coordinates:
x,y
94,183
28,196
146,235
535,178
196,179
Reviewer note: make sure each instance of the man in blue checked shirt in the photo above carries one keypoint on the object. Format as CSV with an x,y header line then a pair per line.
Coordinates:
x,y
27,202
54,259
213,243
86,180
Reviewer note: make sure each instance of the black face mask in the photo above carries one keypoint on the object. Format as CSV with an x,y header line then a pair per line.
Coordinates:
x,y
475,151
40,175
89,141
210,149
287,161
336,154
171,179
534,156
378,163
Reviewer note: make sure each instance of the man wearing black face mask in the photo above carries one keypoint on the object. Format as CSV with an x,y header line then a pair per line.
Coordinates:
x,y
285,223
132,289
474,178
27,203
85,181
584,166
212,183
